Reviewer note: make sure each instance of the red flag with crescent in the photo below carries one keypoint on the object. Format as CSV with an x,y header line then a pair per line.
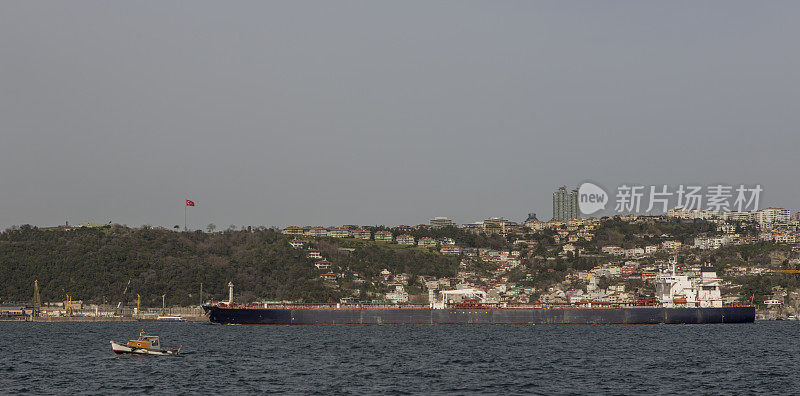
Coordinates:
x,y
189,203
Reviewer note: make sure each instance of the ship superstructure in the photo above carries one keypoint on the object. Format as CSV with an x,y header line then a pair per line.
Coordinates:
x,y
673,290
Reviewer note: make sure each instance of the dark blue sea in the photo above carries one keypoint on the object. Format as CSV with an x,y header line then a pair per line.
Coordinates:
x,y
76,358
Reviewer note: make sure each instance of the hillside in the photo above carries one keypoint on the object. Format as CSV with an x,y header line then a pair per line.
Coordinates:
x,y
95,264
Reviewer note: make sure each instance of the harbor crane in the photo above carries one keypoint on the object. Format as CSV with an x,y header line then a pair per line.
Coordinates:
x,y
123,294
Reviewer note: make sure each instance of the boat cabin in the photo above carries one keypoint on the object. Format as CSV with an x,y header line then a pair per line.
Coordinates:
x,y
146,342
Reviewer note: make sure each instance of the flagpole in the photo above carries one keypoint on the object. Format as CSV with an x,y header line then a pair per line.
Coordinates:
x,y
185,214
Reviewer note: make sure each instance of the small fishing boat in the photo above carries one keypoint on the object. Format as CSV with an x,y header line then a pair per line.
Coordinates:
x,y
145,345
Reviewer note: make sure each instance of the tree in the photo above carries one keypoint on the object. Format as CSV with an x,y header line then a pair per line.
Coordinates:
x,y
211,227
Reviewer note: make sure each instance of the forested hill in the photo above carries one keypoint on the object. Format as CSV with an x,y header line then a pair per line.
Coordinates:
x,y
95,264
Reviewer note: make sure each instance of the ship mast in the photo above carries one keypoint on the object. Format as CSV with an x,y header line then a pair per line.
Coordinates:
x,y
674,261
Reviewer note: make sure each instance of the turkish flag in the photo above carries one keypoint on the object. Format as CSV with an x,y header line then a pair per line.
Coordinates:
x,y
189,203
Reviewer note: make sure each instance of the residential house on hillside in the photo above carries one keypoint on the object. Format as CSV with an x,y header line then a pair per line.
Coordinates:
x,y
297,244
441,222
634,252
314,254
450,250
399,295
585,234
328,277
385,236
323,264
473,228
293,230
715,242
613,250
405,239
317,231
446,241
402,278
339,232
427,242
785,237
361,234
726,228
469,252
536,225
491,228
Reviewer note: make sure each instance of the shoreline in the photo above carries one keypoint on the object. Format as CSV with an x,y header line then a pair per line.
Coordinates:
x,y
67,319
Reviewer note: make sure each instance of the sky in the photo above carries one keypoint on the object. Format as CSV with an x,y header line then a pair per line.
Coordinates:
x,y
377,112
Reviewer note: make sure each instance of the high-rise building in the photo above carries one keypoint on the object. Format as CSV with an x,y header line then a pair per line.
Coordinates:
x,y
565,204
441,222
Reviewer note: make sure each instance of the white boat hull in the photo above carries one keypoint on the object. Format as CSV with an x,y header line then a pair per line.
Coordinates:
x,y
124,349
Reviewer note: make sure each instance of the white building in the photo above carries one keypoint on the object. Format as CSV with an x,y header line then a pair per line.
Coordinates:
x,y
450,250
427,242
536,225
738,216
399,295
693,214
323,264
634,252
772,215
613,250
405,239
711,242
442,222
726,228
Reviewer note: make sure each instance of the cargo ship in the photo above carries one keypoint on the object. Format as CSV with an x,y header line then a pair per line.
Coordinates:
x,y
678,299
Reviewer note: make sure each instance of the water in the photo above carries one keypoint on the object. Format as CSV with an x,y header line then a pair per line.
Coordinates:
x,y
76,358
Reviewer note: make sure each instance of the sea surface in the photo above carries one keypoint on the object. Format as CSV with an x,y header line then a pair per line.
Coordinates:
x,y
76,358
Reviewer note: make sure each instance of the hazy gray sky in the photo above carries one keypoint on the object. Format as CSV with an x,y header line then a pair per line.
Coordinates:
x,y
372,112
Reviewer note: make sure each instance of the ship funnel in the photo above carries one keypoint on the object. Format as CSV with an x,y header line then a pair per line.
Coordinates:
x,y
230,292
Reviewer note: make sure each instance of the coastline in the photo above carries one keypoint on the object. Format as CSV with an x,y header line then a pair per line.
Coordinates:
x,y
65,319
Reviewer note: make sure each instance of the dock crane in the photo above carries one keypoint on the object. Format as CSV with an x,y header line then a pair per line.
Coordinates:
x,y
123,294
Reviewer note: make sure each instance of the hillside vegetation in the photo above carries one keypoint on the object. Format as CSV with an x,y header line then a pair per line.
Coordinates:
x,y
95,264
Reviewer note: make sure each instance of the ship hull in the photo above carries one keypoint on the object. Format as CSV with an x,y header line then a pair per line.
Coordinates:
x,y
335,316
